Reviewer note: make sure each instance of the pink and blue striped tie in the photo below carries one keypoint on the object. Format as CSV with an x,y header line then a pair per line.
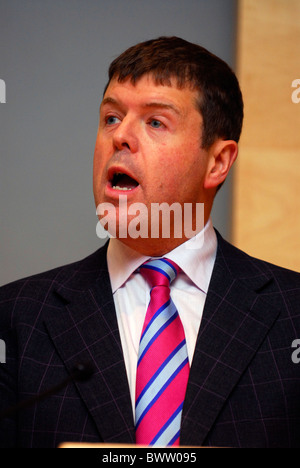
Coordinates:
x,y
163,367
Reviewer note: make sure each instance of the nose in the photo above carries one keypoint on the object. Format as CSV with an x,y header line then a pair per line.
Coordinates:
x,y
125,135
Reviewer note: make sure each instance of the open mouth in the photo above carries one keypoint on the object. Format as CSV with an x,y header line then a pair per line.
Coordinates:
x,y
121,181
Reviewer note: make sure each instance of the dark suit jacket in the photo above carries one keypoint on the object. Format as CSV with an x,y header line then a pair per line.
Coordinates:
x,y
244,388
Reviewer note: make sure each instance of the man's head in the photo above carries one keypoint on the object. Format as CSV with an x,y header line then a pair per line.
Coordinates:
x,y
219,98
170,121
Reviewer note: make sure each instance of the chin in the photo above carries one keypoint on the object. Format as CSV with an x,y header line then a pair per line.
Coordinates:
x,y
152,247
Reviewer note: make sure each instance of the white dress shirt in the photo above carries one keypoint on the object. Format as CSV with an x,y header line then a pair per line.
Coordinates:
x,y
131,292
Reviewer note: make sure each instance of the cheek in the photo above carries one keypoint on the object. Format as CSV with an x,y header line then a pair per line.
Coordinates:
x,y
97,171
168,176
99,159
184,174
97,163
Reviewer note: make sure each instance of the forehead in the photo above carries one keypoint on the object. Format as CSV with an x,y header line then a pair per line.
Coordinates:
x,y
145,92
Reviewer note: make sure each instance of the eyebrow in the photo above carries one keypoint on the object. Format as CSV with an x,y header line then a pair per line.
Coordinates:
x,y
162,105
157,104
108,100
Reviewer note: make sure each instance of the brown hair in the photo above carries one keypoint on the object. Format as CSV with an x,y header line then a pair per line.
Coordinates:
x,y
220,100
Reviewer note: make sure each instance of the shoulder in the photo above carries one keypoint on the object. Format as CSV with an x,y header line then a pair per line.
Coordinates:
x,y
279,286
238,262
37,290
273,289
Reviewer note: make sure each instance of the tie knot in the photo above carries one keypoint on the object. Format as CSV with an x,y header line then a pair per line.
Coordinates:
x,y
159,272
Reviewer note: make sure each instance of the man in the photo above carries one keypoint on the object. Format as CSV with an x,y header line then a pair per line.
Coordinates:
x,y
169,126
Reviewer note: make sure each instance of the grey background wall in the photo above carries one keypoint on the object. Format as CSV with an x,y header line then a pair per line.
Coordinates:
x,y
54,56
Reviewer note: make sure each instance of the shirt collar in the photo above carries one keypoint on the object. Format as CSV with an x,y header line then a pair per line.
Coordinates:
x,y
195,257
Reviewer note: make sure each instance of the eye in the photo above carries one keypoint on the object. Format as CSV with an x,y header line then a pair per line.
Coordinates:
x,y
112,120
154,123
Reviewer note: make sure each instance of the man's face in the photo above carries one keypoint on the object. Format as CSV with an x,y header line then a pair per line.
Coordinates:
x,y
148,146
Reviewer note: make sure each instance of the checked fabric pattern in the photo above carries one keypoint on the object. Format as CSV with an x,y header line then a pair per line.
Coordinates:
x,y
163,367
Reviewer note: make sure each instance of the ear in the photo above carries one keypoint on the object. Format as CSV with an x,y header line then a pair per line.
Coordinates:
x,y
221,156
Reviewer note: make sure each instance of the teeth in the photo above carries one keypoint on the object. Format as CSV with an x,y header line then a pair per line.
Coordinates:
x,y
127,183
116,187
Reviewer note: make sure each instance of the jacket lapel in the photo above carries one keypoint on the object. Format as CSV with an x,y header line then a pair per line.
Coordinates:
x,y
236,319
86,330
